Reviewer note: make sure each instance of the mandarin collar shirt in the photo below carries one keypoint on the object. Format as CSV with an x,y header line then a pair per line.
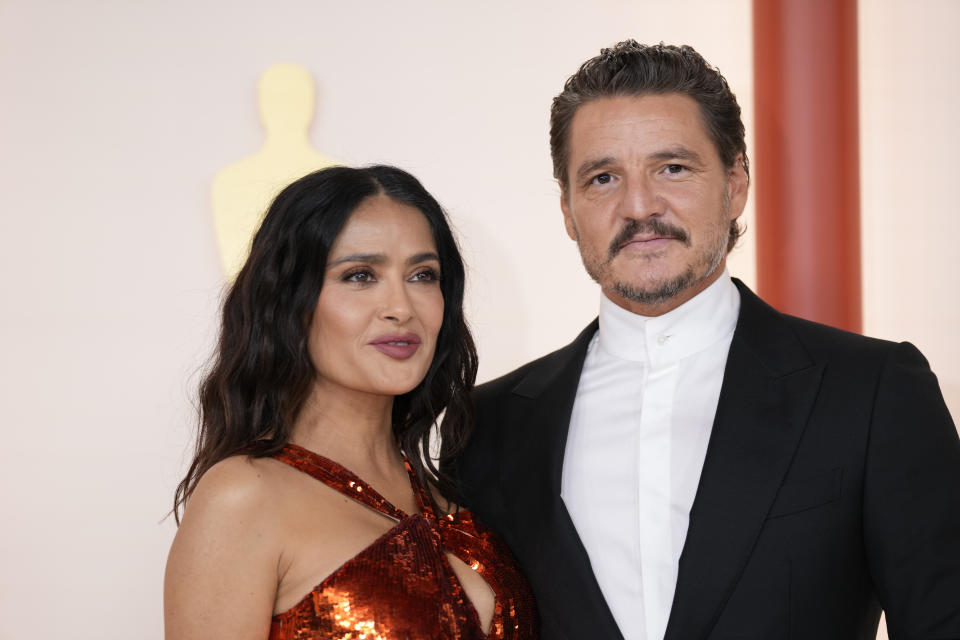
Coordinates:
x,y
638,435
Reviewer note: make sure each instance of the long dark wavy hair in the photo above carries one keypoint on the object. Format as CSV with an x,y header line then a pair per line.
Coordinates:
x,y
261,372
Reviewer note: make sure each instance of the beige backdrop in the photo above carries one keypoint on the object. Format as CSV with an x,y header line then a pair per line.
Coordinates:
x,y
116,115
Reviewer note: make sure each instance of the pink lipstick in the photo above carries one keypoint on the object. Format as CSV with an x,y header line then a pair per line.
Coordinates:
x,y
398,346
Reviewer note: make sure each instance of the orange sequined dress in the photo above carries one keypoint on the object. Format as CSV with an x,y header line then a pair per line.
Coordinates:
x,y
402,587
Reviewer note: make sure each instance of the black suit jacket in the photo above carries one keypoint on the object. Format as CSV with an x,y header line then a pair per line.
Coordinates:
x,y
830,489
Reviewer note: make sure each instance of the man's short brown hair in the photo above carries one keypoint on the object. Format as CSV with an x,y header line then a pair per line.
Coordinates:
x,y
633,69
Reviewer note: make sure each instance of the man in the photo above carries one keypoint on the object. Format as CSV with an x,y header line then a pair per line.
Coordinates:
x,y
696,464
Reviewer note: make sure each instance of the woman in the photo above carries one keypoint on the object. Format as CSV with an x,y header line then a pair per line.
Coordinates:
x,y
343,339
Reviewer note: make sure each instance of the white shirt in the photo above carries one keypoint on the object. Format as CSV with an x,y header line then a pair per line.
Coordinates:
x,y
638,436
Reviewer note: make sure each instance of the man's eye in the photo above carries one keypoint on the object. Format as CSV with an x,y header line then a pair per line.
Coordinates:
x,y
675,168
603,178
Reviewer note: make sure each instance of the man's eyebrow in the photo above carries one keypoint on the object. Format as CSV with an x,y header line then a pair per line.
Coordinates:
x,y
676,153
589,166
374,258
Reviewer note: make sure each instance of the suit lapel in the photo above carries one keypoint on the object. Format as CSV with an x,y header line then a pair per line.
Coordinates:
x,y
768,390
570,598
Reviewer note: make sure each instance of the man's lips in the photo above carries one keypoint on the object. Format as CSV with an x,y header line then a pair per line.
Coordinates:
x,y
652,233
398,346
648,242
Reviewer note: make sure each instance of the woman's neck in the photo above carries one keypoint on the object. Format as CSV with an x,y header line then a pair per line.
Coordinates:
x,y
350,427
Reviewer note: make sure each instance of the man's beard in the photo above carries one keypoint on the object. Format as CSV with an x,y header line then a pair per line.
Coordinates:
x,y
705,263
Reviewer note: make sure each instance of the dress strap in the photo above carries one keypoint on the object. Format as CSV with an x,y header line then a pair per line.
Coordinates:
x,y
338,477
420,492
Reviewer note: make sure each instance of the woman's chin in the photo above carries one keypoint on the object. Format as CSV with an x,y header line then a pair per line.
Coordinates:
x,y
396,387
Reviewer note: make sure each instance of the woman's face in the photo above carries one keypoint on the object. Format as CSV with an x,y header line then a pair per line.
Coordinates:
x,y
380,309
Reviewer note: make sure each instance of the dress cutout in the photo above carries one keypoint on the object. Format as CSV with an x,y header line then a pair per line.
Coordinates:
x,y
402,586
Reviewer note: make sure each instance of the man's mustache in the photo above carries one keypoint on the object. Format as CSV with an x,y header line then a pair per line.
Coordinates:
x,y
655,226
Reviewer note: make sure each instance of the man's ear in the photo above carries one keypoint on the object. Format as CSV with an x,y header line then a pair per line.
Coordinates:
x,y
738,184
567,218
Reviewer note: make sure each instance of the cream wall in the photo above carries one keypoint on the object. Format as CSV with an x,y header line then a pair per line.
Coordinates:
x,y
115,116
909,140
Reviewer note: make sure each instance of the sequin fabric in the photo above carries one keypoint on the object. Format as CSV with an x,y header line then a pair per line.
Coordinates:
x,y
402,587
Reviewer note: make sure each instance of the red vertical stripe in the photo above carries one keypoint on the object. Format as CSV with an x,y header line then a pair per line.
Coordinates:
x,y
807,163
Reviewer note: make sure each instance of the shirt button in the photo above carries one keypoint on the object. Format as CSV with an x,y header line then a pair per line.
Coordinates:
x,y
662,339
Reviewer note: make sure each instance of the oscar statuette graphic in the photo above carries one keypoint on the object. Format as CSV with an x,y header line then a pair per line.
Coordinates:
x,y
242,191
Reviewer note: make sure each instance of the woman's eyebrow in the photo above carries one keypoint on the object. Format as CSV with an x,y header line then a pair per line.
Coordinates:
x,y
374,258
426,256
379,258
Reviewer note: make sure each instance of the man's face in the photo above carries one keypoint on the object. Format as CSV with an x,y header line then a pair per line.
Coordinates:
x,y
648,200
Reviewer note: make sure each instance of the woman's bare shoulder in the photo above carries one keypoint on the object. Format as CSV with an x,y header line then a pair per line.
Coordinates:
x,y
228,537
238,493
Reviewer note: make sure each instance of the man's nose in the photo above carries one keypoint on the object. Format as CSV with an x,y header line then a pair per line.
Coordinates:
x,y
640,198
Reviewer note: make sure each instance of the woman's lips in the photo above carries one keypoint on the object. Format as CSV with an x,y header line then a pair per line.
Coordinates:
x,y
399,347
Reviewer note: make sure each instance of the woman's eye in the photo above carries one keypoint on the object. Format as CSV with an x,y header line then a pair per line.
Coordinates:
x,y
426,275
362,276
